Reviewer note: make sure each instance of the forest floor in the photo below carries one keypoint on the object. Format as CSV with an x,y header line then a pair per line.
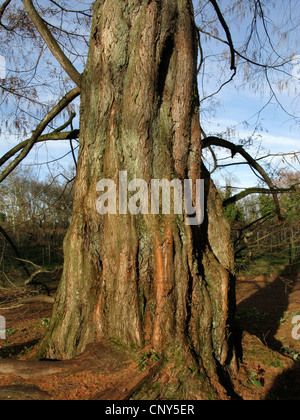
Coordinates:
x,y
269,367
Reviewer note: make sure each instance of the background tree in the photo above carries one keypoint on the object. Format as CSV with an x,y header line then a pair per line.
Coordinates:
x,y
36,215
260,238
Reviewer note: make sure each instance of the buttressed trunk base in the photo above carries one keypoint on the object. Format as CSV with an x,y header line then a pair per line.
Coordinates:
x,y
147,281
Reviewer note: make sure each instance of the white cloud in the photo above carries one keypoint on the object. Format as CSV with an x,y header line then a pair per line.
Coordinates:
x,y
284,143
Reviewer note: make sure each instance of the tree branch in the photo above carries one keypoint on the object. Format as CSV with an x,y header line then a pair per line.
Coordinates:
x,y
227,31
70,10
66,124
215,141
51,42
247,59
54,136
249,191
3,8
62,104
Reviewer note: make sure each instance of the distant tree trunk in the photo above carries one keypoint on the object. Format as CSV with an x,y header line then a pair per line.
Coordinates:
x,y
149,281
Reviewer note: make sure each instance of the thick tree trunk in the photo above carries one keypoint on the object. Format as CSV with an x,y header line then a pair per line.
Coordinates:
x,y
148,281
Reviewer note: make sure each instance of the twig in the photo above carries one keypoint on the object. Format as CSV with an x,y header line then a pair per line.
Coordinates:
x,y
30,262
11,307
52,43
227,31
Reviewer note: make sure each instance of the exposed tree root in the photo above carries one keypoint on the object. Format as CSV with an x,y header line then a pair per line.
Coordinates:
x,y
94,359
120,376
30,300
37,299
22,392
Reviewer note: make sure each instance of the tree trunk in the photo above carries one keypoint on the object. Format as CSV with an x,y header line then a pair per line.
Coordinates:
x,y
148,281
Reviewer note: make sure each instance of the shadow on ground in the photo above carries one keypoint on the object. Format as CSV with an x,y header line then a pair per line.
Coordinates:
x,y
262,313
265,308
18,349
286,387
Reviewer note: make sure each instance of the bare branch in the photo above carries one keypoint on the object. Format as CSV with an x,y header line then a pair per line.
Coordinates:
x,y
247,59
215,141
51,42
250,191
3,8
73,153
214,159
70,10
227,31
54,136
66,124
63,103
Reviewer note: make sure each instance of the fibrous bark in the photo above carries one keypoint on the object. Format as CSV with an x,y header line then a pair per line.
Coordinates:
x,y
149,281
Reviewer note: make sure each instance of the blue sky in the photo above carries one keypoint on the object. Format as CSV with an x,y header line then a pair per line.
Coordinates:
x,y
273,130
277,133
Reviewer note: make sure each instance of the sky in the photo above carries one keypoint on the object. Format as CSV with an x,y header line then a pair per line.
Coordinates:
x,y
277,133
241,106
272,131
